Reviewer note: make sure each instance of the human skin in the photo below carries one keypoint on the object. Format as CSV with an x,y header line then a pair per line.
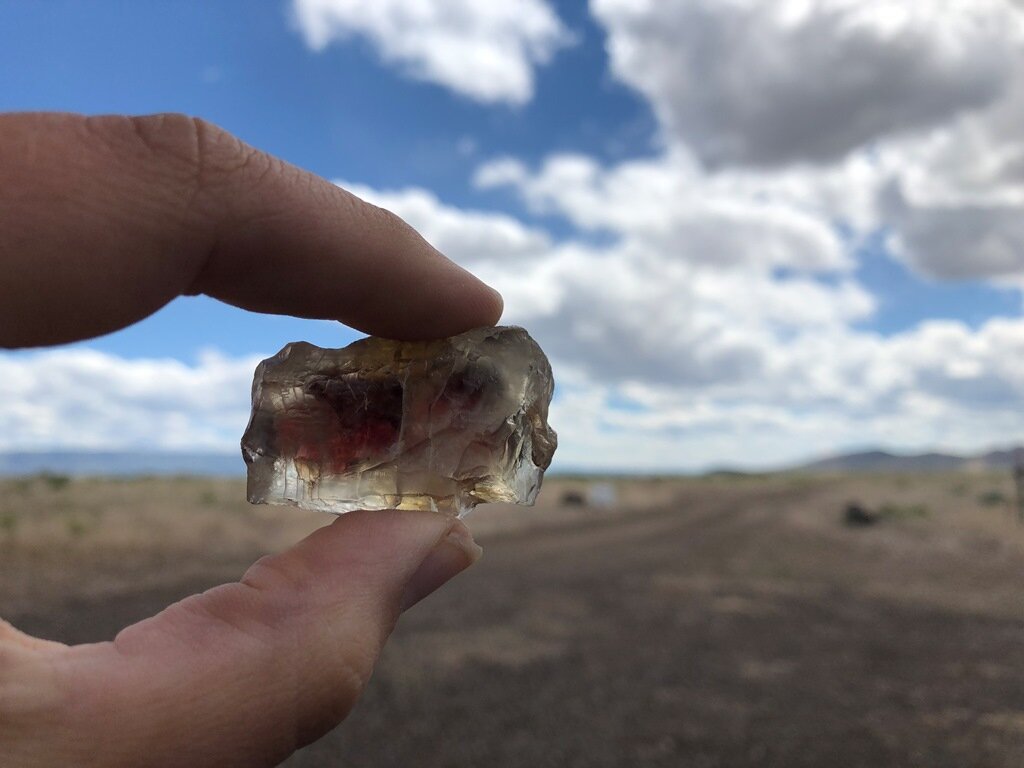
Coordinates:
x,y
103,220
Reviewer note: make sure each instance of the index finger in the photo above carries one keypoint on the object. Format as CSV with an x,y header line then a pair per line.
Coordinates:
x,y
103,220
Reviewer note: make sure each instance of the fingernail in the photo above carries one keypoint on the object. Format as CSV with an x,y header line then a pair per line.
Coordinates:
x,y
453,554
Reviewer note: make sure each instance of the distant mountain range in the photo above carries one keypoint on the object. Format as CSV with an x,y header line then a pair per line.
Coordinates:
x,y
231,465
883,461
122,463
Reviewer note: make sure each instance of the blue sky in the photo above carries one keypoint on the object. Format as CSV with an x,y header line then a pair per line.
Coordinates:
x,y
340,113
793,306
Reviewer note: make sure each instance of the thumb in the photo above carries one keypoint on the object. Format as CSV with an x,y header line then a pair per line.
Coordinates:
x,y
248,672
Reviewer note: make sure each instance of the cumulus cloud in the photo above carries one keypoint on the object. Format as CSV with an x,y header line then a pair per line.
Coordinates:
x,y
677,210
662,362
484,51
876,116
969,240
954,201
941,385
709,303
85,399
730,358
686,292
719,360
770,83
736,360
706,305
468,237
626,313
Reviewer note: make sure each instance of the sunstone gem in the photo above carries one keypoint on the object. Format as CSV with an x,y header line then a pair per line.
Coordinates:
x,y
435,425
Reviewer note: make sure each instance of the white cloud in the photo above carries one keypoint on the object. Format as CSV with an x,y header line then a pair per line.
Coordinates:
x,y
972,240
85,399
486,51
707,306
626,313
687,291
941,384
878,115
731,359
716,363
769,82
660,388
938,386
739,220
955,199
468,237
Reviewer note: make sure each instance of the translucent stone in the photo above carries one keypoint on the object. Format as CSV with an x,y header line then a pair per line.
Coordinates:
x,y
437,425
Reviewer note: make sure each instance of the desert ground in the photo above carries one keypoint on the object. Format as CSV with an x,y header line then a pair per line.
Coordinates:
x,y
722,621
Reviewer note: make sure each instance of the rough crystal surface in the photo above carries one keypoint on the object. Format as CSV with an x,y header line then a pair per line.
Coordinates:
x,y
438,425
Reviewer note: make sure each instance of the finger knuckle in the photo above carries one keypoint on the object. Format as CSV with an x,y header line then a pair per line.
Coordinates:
x,y
169,136
343,683
221,154
271,574
389,219
8,659
386,217
23,690
389,223
193,148
353,672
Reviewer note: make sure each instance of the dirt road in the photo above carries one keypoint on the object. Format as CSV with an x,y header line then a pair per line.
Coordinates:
x,y
742,626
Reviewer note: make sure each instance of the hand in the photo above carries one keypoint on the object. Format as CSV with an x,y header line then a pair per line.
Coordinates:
x,y
103,221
